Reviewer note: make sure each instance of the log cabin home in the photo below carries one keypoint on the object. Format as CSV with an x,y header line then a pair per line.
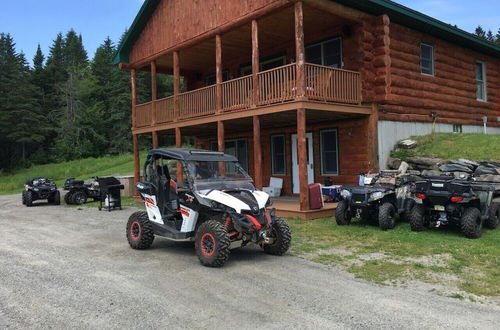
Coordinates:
x,y
306,90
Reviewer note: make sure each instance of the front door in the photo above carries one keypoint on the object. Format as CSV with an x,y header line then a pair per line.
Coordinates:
x,y
295,162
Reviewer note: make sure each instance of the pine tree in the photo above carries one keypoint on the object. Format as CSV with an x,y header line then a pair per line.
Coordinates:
x,y
75,54
490,36
498,37
480,32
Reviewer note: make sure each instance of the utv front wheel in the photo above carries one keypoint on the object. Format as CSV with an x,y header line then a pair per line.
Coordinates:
x,y
140,233
342,214
282,237
24,197
471,223
386,216
28,198
56,199
494,219
418,221
68,198
79,198
212,244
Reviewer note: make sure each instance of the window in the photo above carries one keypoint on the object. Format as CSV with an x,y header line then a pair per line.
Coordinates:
x,y
426,59
457,128
480,81
211,79
327,53
265,64
278,155
237,148
329,152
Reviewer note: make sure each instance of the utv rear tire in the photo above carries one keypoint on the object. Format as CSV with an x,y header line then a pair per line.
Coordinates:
x,y
28,197
24,197
471,223
282,235
342,214
140,233
418,221
79,198
212,244
56,198
386,216
494,218
68,198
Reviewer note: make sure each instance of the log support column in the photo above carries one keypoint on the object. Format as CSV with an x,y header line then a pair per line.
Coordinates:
x,y
133,87
178,144
137,170
257,151
299,50
154,93
218,74
221,144
255,62
155,137
302,157
177,85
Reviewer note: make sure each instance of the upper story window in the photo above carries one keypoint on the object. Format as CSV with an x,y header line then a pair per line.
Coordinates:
x,y
211,79
480,81
265,64
427,59
328,53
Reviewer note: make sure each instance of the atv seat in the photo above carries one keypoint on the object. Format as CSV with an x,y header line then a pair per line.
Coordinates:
x,y
167,192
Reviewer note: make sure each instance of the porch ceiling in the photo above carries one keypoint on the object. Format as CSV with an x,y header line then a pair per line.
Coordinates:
x,y
276,34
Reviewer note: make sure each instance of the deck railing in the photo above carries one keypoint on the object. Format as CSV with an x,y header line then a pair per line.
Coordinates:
x,y
275,86
237,93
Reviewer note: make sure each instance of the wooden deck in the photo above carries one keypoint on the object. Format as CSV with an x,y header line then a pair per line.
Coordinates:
x,y
290,207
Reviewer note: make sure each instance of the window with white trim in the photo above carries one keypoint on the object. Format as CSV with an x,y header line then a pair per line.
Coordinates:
x,y
329,147
427,59
328,53
278,155
480,81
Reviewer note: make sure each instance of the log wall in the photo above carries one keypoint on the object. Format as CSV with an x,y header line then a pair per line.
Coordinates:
x,y
450,93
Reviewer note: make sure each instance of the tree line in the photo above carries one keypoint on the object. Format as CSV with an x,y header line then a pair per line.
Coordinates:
x,y
488,35
65,106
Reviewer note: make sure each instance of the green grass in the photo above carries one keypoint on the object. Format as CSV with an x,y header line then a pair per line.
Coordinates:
x,y
13,182
453,146
400,255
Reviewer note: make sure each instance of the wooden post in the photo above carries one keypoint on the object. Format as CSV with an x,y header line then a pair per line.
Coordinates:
x,y
178,144
221,144
133,85
177,85
137,170
299,49
302,156
255,62
155,138
257,151
218,74
154,92
372,139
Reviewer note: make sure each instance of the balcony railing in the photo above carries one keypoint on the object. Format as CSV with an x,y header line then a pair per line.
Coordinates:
x,y
277,85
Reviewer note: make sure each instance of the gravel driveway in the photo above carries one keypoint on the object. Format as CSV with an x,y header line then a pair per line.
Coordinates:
x,y
62,267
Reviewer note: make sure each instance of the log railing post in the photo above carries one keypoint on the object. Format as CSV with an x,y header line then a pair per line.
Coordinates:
x,y
133,86
302,157
257,151
154,92
255,62
137,171
299,49
218,74
177,85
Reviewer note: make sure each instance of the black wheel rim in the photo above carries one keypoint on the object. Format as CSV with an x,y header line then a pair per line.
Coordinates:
x,y
207,244
80,199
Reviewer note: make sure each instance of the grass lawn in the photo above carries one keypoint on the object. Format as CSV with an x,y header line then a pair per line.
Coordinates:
x,y
453,146
11,183
440,256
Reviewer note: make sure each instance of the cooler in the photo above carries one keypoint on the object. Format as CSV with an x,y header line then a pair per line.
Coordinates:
x,y
315,196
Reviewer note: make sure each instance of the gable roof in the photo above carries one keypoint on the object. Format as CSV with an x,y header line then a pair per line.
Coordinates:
x,y
397,13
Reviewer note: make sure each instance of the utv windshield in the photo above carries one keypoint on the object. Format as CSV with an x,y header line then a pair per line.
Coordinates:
x,y
207,175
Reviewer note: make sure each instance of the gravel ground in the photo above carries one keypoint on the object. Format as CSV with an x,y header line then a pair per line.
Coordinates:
x,y
62,267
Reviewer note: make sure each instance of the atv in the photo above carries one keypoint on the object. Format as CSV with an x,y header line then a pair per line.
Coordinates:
x,y
379,201
447,200
216,205
79,191
40,188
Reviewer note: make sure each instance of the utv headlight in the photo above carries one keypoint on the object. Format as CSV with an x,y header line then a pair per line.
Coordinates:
x,y
377,195
345,193
35,189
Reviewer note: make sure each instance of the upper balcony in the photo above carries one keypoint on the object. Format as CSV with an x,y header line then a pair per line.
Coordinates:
x,y
278,85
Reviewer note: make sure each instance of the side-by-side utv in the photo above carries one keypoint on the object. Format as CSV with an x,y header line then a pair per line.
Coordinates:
x,y
216,206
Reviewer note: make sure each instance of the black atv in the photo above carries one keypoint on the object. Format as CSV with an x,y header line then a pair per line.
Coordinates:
x,y
216,206
447,200
79,191
379,201
40,188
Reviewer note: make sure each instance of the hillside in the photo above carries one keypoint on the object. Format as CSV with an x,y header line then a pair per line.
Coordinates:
x,y
13,182
452,146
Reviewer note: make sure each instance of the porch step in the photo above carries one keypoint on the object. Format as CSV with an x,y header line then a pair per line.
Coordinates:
x,y
291,209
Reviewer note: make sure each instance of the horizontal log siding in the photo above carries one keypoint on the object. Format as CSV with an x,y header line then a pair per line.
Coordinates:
x,y
451,93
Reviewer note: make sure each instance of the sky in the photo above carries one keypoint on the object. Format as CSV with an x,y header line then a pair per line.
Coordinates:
x,y
33,22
